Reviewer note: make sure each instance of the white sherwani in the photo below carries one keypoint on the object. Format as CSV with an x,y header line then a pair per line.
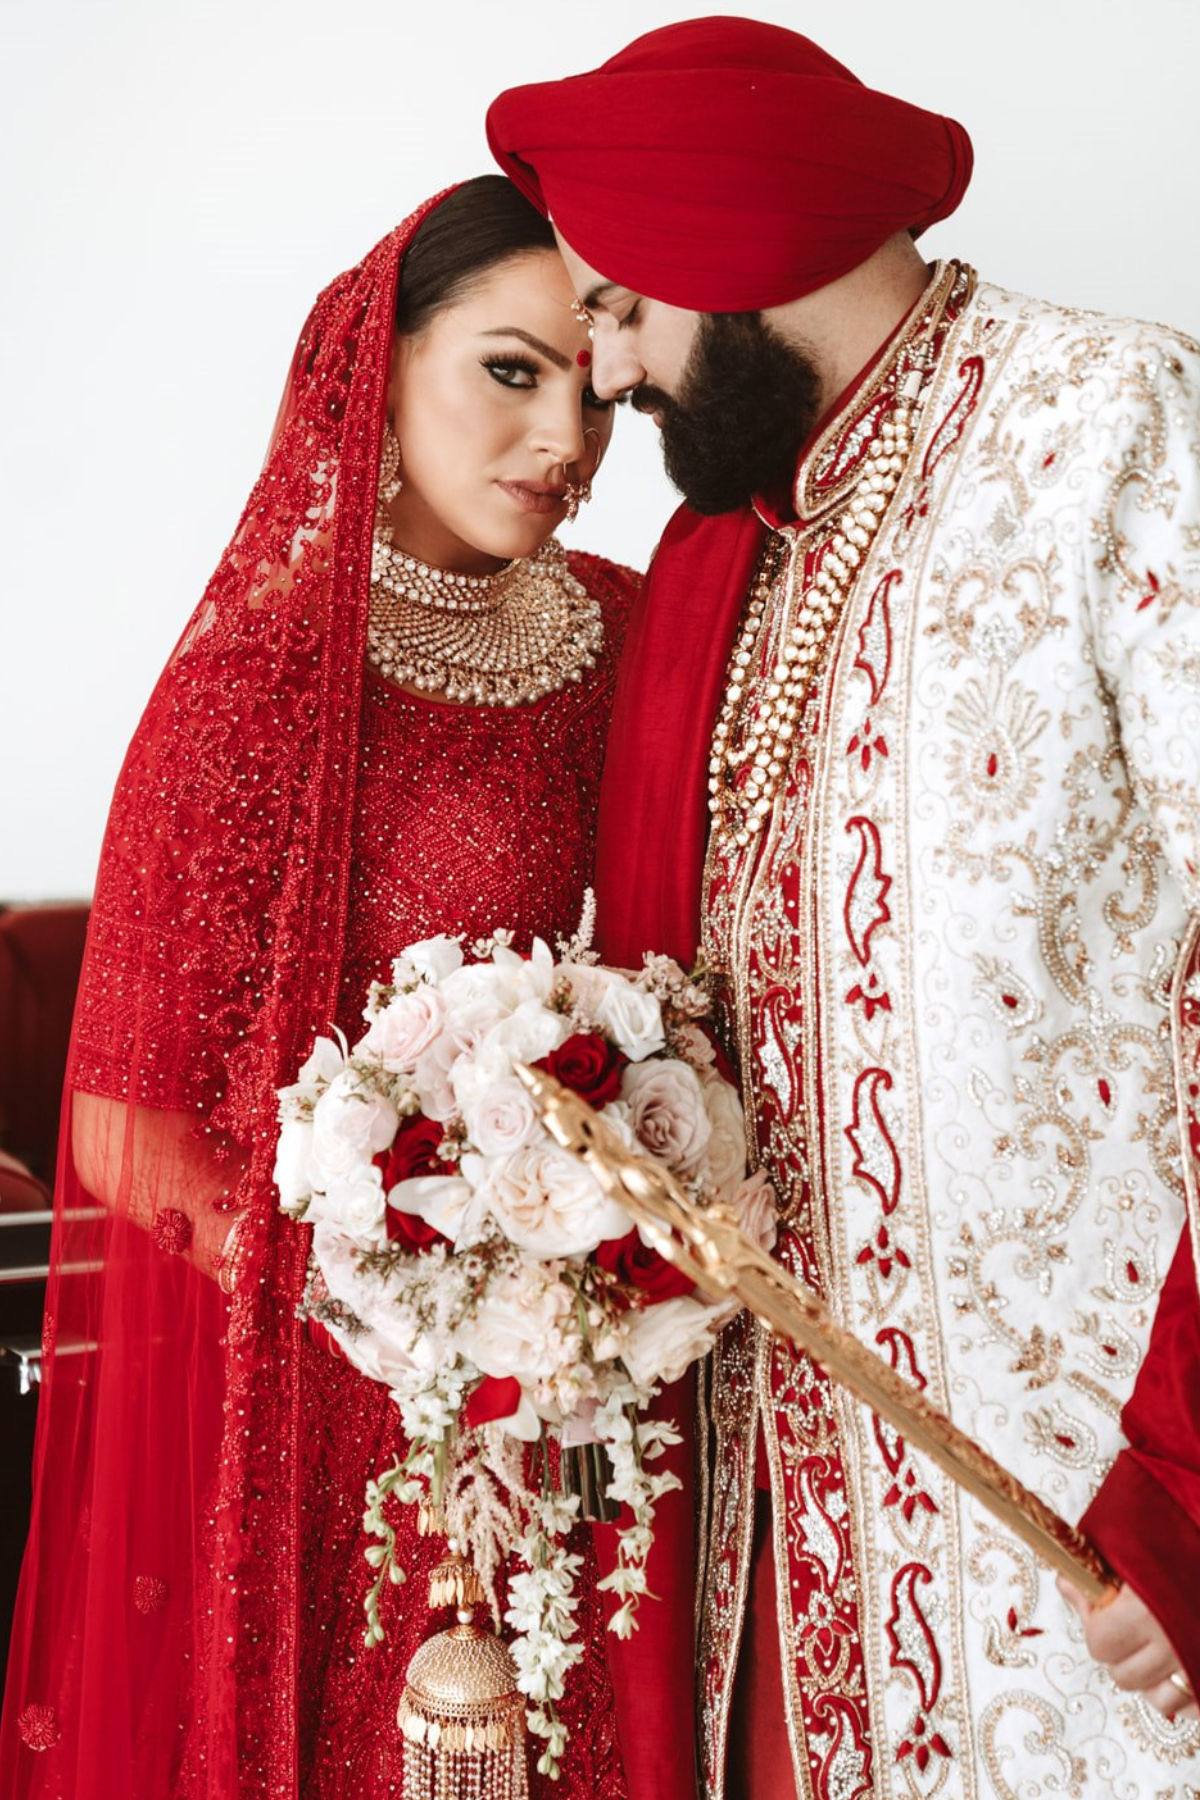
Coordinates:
x,y
956,986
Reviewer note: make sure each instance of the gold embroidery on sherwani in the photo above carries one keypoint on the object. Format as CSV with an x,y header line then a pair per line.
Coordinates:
x,y
950,956
752,926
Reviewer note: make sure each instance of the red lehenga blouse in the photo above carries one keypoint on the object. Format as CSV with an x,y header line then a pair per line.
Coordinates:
x,y
466,818
190,1612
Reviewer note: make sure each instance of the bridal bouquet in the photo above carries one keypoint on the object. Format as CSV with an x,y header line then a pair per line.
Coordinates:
x,y
465,1261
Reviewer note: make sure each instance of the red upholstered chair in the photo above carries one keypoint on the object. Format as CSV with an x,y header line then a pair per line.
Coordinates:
x,y
41,948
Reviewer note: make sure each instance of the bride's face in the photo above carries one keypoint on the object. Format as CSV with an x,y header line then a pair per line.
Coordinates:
x,y
493,407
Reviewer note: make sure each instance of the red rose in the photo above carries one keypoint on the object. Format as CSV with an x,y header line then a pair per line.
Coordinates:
x,y
496,1397
635,1265
589,1065
414,1152
411,1231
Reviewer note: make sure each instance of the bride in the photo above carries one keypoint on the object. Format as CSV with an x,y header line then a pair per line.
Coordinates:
x,y
385,719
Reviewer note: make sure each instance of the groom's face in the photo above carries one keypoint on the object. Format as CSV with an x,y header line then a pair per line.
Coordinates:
x,y
638,343
732,398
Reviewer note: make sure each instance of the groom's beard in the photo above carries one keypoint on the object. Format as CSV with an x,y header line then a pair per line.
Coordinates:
x,y
746,402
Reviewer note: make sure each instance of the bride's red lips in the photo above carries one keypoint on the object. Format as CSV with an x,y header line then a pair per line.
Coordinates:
x,y
535,496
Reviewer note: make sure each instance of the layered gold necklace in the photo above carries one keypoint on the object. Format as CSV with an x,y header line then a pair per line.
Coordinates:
x,y
755,732
485,640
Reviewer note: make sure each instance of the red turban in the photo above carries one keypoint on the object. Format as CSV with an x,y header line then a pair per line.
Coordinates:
x,y
725,165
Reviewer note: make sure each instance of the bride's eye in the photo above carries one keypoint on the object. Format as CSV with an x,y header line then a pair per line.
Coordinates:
x,y
593,403
511,371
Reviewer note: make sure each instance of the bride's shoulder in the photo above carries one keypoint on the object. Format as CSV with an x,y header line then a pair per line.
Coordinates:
x,y
615,586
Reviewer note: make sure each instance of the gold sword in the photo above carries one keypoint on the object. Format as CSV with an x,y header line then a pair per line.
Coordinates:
x,y
706,1244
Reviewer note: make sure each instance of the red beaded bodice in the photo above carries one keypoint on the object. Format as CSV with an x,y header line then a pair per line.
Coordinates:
x,y
466,819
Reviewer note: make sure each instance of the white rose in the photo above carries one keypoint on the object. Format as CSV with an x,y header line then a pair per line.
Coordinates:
x,y
725,1163
548,1205
293,1157
526,1035
431,1078
756,1205
356,1204
408,1025
378,1353
634,1018
503,1119
525,1325
663,1341
433,959
669,1114
351,1124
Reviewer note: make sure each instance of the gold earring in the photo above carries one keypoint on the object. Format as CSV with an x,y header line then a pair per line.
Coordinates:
x,y
390,478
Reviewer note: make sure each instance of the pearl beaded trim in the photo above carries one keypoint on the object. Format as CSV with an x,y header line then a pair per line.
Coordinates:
x,y
485,640
405,577
749,759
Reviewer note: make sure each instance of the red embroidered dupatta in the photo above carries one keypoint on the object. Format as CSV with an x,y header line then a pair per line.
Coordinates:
x,y
155,1648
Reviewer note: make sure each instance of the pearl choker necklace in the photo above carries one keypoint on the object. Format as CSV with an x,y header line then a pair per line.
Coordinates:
x,y
486,640
395,572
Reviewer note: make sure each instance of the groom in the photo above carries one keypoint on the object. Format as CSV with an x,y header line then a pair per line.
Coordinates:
x,y
909,749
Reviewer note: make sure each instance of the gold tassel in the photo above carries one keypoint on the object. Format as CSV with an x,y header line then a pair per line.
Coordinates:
x,y
453,1582
463,1718
430,1522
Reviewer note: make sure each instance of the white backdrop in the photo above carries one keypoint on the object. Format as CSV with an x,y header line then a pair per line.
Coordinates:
x,y
182,179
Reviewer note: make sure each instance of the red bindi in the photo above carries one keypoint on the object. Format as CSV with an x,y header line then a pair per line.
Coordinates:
x,y
584,359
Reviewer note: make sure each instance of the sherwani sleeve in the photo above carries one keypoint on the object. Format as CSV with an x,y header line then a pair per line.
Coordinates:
x,y
1144,593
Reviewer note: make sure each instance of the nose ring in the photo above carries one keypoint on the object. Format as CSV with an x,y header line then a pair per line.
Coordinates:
x,y
580,492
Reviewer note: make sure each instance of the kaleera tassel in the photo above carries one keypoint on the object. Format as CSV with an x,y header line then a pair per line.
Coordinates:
x,y
461,1712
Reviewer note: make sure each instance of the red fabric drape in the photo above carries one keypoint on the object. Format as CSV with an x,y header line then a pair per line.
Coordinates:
x,y
155,1648
650,862
654,801
188,1620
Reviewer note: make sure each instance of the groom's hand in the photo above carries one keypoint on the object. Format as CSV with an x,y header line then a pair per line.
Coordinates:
x,y
1125,1636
